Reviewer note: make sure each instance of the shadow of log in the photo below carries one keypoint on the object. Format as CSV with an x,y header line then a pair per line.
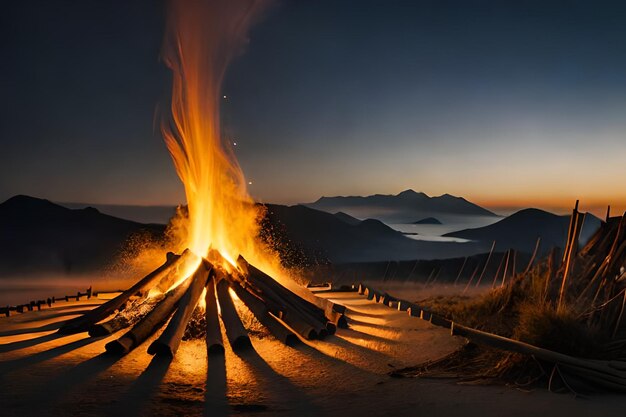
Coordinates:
x,y
47,396
352,312
22,344
215,401
57,315
356,334
44,328
311,350
13,365
270,378
356,322
140,394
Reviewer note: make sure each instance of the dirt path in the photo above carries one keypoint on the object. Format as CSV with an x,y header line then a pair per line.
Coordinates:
x,y
346,374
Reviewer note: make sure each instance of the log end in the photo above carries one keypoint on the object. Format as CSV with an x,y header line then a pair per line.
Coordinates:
x,y
331,328
241,343
159,348
215,349
339,308
120,346
98,330
71,328
342,322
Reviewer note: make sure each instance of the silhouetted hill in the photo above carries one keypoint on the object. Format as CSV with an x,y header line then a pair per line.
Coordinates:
x,y
312,234
428,220
139,214
36,234
347,218
401,208
521,230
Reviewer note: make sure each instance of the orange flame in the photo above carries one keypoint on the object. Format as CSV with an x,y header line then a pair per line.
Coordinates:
x,y
201,40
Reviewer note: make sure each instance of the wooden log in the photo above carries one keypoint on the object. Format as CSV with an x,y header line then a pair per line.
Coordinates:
x,y
107,327
213,339
236,333
168,342
82,323
307,328
276,327
150,323
320,308
296,312
183,265
480,278
512,345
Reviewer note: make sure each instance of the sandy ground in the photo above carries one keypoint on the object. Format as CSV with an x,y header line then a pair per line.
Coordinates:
x,y
42,373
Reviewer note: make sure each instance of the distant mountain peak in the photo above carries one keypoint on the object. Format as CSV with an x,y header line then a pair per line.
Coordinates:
x,y
411,192
404,207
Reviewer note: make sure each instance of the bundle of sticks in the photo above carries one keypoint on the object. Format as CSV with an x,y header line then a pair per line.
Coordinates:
x,y
289,312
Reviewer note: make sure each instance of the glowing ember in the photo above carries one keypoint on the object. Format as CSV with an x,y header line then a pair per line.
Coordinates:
x,y
202,38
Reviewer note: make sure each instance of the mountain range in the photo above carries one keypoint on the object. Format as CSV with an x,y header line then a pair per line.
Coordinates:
x,y
404,207
38,235
521,230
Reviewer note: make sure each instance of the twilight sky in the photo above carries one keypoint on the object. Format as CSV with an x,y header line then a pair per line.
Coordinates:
x,y
507,103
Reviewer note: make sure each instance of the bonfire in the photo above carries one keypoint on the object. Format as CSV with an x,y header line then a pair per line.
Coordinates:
x,y
225,260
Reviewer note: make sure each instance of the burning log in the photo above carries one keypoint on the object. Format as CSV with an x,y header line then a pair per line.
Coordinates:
x,y
152,321
260,311
214,343
237,334
168,342
82,323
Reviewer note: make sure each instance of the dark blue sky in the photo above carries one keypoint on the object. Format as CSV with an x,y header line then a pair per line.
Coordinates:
x,y
505,103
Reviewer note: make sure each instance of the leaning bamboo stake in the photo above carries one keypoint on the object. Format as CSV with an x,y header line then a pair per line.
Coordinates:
x,y
571,249
150,323
506,267
168,342
534,255
236,333
214,343
619,317
471,279
82,323
497,274
460,272
493,246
